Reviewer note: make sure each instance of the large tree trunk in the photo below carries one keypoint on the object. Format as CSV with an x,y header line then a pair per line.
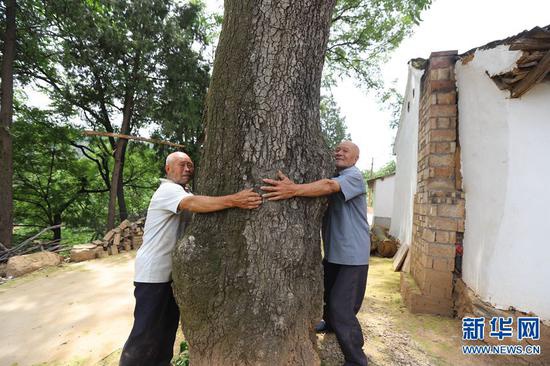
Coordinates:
x,y
248,283
6,116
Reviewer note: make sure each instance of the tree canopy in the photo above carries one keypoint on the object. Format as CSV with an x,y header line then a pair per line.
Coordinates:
x,y
143,66
333,124
363,34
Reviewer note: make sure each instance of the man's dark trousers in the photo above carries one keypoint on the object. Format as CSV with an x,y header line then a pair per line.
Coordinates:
x,y
344,292
156,319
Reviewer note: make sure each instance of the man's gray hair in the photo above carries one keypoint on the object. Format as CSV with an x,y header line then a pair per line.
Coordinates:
x,y
170,158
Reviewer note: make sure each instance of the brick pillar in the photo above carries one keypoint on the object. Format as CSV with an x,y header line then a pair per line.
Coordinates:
x,y
438,221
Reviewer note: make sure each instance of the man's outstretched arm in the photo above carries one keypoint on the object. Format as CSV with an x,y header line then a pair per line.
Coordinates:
x,y
285,188
246,199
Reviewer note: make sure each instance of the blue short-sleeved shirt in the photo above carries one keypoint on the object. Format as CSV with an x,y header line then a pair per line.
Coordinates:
x,y
345,227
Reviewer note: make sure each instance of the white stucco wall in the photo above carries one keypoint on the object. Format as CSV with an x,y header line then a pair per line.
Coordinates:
x,y
506,177
383,197
406,151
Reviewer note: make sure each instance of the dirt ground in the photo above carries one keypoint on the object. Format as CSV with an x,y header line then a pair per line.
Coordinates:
x,y
81,314
393,336
73,315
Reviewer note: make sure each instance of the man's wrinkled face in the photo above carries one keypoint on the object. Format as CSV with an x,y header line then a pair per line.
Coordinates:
x,y
181,169
346,154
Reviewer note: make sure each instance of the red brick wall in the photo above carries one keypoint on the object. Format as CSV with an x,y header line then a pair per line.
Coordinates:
x,y
438,221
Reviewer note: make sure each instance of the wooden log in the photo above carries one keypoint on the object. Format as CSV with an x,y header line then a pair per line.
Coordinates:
x,y
113,249
100,252
116,239
529,57
530,44
127,233
127,244
124,224
515,77
137,240
538,32
536,75
373,244
387,248
379,233
109,235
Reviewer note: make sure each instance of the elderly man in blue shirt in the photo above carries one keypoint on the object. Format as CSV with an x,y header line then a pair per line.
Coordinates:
x,y
346,245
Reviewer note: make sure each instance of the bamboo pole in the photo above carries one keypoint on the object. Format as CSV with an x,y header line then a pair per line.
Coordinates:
x,y
129,137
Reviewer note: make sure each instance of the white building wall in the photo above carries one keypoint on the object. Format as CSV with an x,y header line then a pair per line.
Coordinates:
x,y
505,150
383,198
406,151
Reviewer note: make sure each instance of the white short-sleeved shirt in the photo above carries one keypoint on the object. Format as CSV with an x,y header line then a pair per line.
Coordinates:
x,y
163,227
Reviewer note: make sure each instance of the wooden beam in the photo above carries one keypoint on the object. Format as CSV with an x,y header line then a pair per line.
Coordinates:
x,y
128,137
536,75
530,44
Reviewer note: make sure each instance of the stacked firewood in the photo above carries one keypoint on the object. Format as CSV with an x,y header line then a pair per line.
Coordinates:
x,y
127,236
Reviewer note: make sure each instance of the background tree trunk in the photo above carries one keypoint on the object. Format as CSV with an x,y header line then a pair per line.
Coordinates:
x,y
117,186
121,199
117,179
57,230
6,117
248,283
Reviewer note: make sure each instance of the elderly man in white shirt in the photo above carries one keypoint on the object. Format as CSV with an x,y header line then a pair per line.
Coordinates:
x,y
156,315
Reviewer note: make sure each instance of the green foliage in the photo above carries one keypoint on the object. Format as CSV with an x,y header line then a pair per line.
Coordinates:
x,y
387,169
181,100
55,183
333,124
103,61
141,179
183,357
392,100
364,32
100,62
363,35
139,55
49,178
75,235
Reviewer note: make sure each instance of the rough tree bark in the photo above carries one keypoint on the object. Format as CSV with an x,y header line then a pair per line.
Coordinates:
x,y
6,117
248,283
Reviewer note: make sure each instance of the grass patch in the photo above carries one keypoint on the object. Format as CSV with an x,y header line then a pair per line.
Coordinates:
x,y
433,333
182,359
70,236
